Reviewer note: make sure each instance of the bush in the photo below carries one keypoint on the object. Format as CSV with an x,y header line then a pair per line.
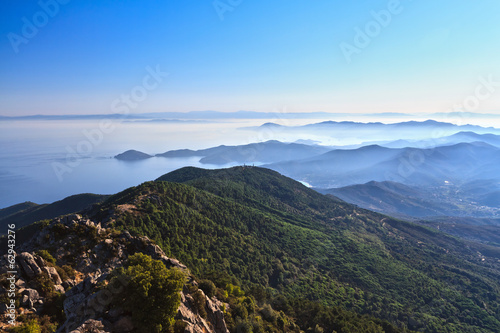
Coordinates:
x,y
234,290
44,284
240,311
65,272
208,288
70,272
40,325
268,313
31,326
151,293
200,302
46,256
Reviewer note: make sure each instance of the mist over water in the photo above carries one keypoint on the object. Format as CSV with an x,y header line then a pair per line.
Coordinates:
x,y
30,149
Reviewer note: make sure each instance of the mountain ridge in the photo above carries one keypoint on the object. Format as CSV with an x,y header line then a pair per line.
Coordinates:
x,y
299,250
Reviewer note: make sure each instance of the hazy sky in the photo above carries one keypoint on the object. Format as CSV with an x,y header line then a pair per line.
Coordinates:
x,y
79,57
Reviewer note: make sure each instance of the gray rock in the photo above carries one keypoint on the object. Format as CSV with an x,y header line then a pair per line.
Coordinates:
x,y
189,315
30,267
91,326
216,316
99,300
54,276
32,294
40,261
59,289
169,262
71,218
73,303
69,283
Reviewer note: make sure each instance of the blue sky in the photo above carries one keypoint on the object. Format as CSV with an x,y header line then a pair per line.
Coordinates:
x,y
427,56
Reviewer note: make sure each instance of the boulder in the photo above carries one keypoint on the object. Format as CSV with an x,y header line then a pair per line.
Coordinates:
x,y
40,261
59,289
32,294
91,326
71,218
169,262
30,298
29,265
100,300
216,316
54,276
20,283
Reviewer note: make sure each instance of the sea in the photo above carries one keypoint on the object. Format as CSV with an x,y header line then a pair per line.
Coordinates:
x,y
43,161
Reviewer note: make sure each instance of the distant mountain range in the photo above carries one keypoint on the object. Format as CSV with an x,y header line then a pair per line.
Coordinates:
x,y
460,137
455,175
437,166
192,115
393,199
262,152
210,114
357,132
275,151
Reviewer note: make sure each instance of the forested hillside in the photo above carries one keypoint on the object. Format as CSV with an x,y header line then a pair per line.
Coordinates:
x,y
291,246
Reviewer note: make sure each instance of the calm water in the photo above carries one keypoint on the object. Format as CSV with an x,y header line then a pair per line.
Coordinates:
x,y
45,161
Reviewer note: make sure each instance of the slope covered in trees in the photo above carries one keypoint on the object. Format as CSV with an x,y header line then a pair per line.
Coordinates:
x,y
290,245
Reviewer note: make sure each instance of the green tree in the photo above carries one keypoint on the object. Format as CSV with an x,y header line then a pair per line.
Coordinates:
x,y
208,287
151,292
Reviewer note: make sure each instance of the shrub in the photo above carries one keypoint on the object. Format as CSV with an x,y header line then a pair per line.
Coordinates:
x,y
69,270
208,288
240,311
30,326
199,302
46,256
45,284
151,292
40,325
268,313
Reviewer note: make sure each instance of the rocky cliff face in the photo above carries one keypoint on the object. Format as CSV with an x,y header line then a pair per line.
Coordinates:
x,y
64,266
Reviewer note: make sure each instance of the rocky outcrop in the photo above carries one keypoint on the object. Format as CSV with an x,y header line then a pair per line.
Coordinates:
x,y
195,323
54,276
94,251
29,265
215,315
